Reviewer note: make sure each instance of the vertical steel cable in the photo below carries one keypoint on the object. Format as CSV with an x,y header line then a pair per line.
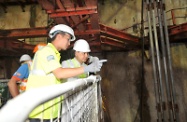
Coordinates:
x,y
142,77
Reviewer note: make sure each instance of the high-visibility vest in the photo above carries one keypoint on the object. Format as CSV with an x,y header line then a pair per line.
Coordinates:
x,y
73,63
23,83
39,78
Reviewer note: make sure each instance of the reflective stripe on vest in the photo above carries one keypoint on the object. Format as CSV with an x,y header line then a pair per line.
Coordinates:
x,y
23,83
39,78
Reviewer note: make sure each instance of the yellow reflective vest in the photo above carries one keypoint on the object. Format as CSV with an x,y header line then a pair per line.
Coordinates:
x,y
45,61
73,63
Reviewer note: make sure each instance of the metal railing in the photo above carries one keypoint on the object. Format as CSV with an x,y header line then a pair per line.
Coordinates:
x,y
171,16
81,102
175,16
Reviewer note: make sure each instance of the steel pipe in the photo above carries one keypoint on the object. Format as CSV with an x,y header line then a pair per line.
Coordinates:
x,y
156,89
176,117
162,40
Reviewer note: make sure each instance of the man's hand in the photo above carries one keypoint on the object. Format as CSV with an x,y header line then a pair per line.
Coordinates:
x,y
92,59
95,66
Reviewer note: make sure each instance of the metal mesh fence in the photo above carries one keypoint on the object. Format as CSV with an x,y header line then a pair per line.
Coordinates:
x,y
81,102
4,92
80,105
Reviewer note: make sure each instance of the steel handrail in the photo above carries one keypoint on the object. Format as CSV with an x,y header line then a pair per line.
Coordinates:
x,y
27,101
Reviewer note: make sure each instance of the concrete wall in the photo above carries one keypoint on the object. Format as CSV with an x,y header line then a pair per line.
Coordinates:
x,y
123,89
179,58
121,82
123,14
15,18
121,86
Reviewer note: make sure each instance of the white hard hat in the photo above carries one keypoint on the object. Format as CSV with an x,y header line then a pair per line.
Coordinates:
x,y
81,45
61,27
25,57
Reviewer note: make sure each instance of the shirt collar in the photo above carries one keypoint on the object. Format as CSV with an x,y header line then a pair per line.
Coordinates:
x,y
53,47
55,50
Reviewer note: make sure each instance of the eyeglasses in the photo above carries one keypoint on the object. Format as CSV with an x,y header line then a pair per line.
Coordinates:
x,y
68,37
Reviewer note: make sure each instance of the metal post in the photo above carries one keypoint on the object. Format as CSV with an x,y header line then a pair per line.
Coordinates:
x,y
173,17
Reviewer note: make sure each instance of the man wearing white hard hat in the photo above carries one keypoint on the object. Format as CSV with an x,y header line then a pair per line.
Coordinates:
x,y
81,51
18,82
20,76
46,69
